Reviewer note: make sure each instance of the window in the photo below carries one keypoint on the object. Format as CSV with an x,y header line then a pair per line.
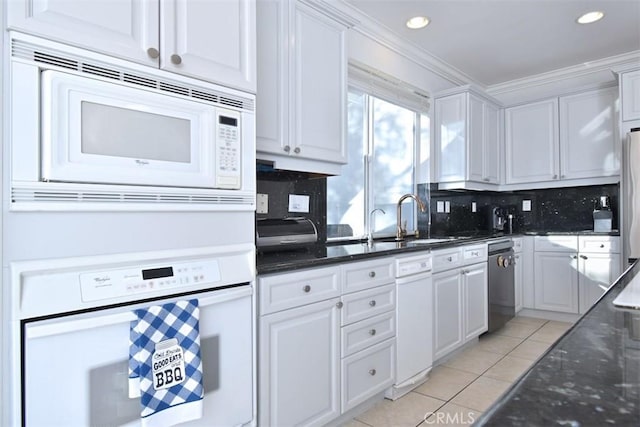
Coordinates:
x,y
384,145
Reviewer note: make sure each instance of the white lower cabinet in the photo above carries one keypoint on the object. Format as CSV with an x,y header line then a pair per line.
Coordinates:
x,y
299,372
572,272
460,298
556,281
326,339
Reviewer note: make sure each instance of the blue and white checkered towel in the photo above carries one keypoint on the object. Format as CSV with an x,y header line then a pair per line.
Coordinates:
x,y
165,364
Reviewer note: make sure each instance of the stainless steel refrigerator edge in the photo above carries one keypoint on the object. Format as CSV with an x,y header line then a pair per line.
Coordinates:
x,y
630,190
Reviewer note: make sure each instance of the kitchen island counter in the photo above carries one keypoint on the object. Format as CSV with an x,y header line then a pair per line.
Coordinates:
x,y
589,377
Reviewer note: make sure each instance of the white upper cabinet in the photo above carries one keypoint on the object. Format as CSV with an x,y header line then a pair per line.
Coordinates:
x,y
560,139
212,41
531,139
588,141
630,83
467,140
302,86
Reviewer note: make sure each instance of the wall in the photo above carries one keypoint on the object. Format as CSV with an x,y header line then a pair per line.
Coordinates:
x,y
554,209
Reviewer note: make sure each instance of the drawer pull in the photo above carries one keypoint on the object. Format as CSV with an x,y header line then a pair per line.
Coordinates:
x,y
306,288
584,257
372,332
339,304
372,303
449,259
574,257
372,274
372,372
602,245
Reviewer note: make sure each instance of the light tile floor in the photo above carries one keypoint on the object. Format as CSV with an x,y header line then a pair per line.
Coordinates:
x,y
460,389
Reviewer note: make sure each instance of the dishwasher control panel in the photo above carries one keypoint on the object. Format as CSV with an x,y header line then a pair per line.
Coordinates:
x,y
106,284
407,266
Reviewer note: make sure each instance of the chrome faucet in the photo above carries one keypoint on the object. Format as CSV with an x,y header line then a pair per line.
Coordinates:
x,y
400,231
370,234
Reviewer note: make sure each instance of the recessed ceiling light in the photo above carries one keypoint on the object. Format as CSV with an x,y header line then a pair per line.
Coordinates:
x,y
417,22
590,17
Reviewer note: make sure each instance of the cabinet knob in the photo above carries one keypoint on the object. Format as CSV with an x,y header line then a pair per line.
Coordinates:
x,y
286,148
602,245
372,332
306,288
574,256
563,176
555,176
296,150
372,372
584,257
449,259
372,303
175,59
339,304
153,53
372,274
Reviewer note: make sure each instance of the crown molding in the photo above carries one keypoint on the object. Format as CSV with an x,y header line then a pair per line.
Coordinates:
x,y
555,76
376,31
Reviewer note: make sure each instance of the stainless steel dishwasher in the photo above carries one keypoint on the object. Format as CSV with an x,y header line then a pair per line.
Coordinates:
x,y
502,296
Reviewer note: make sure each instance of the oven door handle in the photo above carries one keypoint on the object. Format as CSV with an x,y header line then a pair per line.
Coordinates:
x,y
83,322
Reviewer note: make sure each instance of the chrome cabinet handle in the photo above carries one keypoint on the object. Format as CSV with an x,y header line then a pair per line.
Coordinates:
x,y
286,148
306,288
153,53
584,257
372,372
175,59
339,304
372,274
296,150
372,303
372,332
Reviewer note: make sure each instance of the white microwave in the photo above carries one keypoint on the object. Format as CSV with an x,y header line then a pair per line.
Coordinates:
x,y
86,127
95,131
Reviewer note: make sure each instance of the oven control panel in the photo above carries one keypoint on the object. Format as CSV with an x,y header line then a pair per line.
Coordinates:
x,y
107,284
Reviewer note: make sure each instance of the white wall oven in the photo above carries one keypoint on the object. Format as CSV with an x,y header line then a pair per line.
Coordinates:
x,y
89,129
70,358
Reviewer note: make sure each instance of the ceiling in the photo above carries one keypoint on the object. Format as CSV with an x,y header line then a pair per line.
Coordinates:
x,y
497,41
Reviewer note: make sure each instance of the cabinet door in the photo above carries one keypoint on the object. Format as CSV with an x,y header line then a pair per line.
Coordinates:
x,y
447,303
597,272
319,94
531,139
556,281
588,137
450,134
631,96
475,305
492,151
122,28
300,366
476,143
210,40
518,276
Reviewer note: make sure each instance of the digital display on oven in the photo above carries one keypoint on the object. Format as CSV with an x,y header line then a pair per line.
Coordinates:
x,y
157,273
229,121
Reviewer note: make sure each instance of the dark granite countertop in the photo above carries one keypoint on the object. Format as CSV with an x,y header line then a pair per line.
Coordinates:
x,y
589,377
326,254
571,233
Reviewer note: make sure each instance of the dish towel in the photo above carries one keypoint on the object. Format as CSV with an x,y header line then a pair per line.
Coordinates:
x,y
165,366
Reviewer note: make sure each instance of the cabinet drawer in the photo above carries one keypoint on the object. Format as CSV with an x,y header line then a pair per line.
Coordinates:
x,y
603,244
364,275
474,254
446,259
361,335
283,291
367,373
364,304
556,243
